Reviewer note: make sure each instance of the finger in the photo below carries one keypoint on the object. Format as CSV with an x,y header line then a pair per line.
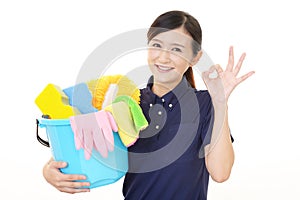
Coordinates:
x,y
109,139
112,122
239,64
88,144
73,190
73,186
212,69
230,59
213,72
73,177
99,142
57,164
219,69
205,76
106,129
107,132
244,77
78,139
77,134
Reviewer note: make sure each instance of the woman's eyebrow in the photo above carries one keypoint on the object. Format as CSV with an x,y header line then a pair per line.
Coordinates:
x,y
177,44
173,44
157,40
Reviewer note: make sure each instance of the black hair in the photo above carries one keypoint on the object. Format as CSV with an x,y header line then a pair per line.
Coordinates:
x,y
175,19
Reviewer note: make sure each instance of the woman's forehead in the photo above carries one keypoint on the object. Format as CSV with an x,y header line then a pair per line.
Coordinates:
x,y
176,36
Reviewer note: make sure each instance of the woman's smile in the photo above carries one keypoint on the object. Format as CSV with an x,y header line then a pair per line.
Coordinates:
x,y
163,68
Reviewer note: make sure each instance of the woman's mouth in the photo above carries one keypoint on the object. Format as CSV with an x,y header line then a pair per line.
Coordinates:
x,y
163,69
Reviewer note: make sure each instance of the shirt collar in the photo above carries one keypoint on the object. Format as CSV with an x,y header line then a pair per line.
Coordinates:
x,y
170,99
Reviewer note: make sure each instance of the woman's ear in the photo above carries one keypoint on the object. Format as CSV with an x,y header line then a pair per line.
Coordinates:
x,y
196,58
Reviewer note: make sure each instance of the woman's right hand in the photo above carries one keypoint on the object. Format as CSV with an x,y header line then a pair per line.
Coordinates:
x,y
63,182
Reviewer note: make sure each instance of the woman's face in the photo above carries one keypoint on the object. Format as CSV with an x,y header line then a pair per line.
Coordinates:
x,y
169,56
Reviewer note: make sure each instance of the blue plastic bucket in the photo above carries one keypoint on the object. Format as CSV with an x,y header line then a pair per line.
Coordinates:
x,y
98,170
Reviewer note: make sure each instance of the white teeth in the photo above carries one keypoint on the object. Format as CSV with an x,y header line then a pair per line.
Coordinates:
x,y
163,68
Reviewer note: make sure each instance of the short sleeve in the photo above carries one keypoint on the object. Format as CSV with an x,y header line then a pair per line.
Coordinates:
x,y
232,139
207,127
207,124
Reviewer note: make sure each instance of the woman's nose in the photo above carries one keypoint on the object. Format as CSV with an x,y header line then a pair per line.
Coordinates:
x,y
164,56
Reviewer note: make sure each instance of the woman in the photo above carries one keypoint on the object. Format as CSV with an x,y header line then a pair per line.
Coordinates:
x,y
188,138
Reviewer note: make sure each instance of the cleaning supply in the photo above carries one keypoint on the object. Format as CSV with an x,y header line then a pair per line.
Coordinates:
x,y
89,142
129,118
127,131
52,101
139,120
124,86
80,97
110,95
94,130
99,171
120,96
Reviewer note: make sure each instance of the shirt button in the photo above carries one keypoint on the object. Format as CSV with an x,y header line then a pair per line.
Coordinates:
x,y
157,127
159,113
163,100
170,105
151,105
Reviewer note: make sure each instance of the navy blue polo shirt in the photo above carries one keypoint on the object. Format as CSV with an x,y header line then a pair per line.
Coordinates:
x,y
167,161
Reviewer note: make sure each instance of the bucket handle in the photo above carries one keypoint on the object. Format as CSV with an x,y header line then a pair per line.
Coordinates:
x,y
42,141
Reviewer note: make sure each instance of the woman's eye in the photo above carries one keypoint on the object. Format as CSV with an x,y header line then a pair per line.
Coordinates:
x,y
176,49
156,45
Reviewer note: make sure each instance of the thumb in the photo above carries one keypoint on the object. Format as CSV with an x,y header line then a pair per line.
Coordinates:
x,y
58,164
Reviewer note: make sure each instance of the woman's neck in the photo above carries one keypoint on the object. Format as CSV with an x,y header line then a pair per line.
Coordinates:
x,y
159,91
162,89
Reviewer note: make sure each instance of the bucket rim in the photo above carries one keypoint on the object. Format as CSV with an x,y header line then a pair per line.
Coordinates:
x,y
54,122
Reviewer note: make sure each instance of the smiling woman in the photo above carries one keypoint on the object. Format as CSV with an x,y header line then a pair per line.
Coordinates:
x,y
170,55
189,26
188,138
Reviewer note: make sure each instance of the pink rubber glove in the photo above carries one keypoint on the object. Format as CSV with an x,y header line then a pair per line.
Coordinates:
x,y
94,130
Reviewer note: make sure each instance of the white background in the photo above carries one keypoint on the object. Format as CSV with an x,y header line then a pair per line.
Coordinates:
x,y
47,42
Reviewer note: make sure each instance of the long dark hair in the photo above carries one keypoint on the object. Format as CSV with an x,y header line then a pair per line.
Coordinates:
x,y
175,19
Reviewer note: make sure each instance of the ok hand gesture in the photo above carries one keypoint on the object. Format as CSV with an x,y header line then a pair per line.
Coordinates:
x,y
221,86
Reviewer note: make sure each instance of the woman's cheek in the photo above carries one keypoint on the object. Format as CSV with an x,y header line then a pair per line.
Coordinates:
x,y
153,54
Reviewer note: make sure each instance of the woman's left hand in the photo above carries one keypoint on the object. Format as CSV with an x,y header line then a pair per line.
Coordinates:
x,y
221,86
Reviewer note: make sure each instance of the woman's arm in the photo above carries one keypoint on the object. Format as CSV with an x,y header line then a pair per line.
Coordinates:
x,y
219,153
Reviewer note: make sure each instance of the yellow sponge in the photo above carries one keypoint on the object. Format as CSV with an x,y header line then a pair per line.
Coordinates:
x,y
129,117
100,86
54,102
